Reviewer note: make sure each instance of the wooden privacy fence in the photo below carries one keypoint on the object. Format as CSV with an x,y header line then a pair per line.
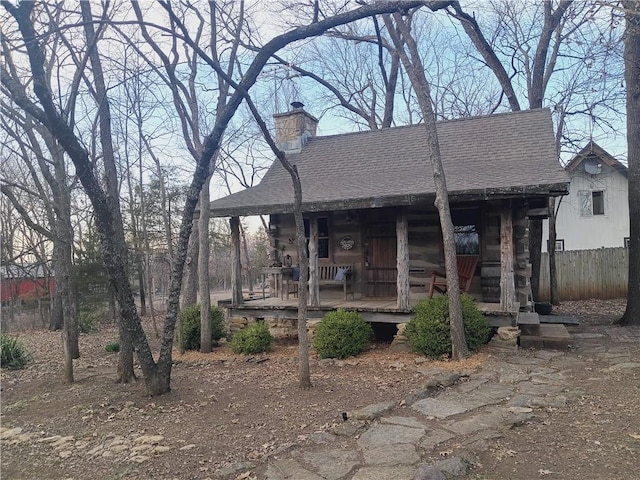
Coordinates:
x,y
582,274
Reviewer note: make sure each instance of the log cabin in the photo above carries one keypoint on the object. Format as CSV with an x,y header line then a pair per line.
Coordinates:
x,y
368,203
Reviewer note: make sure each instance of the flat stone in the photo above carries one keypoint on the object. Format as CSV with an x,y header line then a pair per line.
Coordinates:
x,y
398,472
485,420
374,411
435,407
386,435
400,454
538,389
434,438
233,468
348,429
555,401
471,385
429,472
514,377
188,447
288,469
520,410
332,464
454,467
322,438
149,439
586,336
412,422
623,366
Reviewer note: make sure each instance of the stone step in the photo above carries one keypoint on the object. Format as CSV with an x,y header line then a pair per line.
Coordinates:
x,y
529,323
550,336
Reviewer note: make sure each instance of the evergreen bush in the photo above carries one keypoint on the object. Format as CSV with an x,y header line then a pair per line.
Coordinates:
x,y
341,334
429,330
190,319
112,347
253,339
12,353
88,319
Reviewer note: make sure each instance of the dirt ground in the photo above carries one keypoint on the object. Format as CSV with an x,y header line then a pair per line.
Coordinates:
x,y
224,409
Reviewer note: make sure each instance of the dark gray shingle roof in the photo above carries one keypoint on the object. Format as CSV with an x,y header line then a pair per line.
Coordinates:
x,y
497,154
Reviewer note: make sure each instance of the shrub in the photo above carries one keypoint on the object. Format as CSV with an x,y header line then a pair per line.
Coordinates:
x,y
429,330
190,319
112,347
88,320
12,353
253,339
341,334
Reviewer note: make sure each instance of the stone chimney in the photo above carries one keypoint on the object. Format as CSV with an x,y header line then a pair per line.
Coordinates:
x,y
294,128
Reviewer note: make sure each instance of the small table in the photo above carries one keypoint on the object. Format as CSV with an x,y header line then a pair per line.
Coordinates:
x,y
277,273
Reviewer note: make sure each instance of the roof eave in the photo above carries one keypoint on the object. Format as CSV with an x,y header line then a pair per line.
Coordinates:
x,y
522,191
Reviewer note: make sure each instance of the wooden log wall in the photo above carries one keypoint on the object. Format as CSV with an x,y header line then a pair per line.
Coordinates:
x,y
522,268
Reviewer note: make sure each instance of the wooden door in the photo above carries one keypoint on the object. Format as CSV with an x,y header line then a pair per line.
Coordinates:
x,y
380,260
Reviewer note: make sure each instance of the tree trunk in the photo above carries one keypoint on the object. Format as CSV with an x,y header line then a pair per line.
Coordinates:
x,y
314,284
413,66
402,234
139,269
190,285
203,270
632,79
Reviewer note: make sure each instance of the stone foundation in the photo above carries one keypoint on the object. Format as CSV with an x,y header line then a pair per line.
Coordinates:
x,y
400,342
280,328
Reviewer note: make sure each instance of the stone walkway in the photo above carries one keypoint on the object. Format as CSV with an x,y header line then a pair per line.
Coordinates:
x,y
437,431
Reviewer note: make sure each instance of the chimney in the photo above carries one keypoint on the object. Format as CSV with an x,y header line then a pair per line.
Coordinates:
x,y
294,128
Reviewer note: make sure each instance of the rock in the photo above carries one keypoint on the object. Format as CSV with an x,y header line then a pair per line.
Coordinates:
x,y
398,454
348,429
399,472
371,412
332,464
508,334
289,469
454,466
137,458
428,472
435,438
188,447
233,469
149,439
434,407
65,453
520,410
161,449
404,421
386,435
623,366
321,438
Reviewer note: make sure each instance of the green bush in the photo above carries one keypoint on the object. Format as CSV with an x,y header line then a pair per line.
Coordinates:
x,y
12,353
341,334
253,339
88,320
112,347
190,319
429,332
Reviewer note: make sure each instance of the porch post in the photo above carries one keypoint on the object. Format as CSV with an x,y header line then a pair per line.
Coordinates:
x,y
236,267
508,301
314,286
402,235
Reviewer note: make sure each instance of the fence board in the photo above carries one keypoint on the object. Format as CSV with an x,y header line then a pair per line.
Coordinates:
x,y
582,274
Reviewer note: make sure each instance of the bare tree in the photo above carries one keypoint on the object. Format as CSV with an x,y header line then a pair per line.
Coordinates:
x,y
157,374
399,29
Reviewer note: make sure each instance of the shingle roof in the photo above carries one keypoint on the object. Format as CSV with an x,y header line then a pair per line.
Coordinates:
x,y
505,154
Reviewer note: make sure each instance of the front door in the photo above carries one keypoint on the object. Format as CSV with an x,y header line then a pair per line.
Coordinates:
x,y
380,260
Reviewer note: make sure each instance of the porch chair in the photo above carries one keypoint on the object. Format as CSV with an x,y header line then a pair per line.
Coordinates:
x,y
466,269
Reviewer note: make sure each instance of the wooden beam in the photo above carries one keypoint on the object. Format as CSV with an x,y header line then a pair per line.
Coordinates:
x,y
314,284
508,299
236,266
402,234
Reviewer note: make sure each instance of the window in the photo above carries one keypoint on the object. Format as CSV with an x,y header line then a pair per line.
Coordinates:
x,y
627,242
559,245
466,231
323,236
591,202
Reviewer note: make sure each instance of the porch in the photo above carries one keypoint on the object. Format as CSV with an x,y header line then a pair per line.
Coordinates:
x,y
373,310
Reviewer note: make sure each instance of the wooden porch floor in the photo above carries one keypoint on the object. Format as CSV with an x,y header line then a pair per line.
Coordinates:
x,y
373,309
